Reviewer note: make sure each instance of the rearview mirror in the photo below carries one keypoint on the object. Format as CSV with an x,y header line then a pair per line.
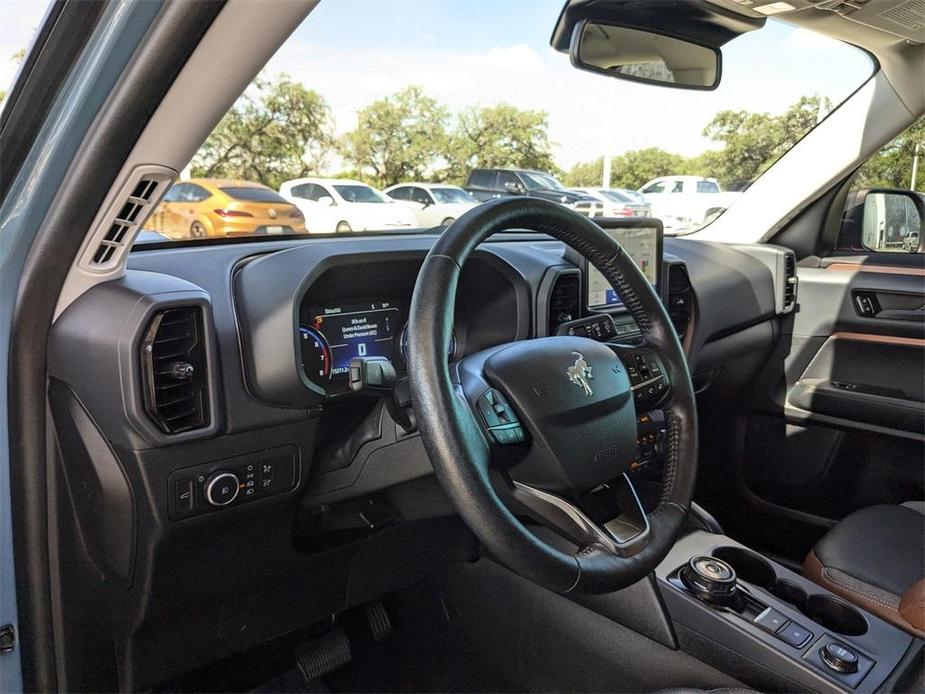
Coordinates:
x,y
326,200
644,56
513,187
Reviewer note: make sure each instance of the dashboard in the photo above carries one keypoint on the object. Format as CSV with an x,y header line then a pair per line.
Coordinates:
x,y
219,456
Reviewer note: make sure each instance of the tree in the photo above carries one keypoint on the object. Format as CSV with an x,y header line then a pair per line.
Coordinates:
x,y
398,138
631,169
499,136
891,167
752,142
277,130
17,58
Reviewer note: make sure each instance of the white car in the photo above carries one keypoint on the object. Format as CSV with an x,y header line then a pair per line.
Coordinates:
x,y
433,204
617,203
343,205
686,202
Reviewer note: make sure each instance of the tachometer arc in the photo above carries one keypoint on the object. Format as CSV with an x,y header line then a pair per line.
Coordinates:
x,y
316,353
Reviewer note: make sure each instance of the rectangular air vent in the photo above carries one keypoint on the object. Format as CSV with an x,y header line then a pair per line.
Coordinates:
x,y
680,299
790,282
564,301
123,219
174,370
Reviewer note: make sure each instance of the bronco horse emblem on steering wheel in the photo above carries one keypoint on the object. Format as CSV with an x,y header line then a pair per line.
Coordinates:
x,y
580,373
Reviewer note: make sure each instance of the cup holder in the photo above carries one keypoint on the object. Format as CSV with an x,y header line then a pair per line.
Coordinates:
x,y
749,567
788,591
835,615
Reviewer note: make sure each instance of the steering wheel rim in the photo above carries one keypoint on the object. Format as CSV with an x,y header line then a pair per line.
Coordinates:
x,y
456,441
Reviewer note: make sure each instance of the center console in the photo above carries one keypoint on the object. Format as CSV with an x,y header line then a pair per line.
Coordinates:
x,y
740,612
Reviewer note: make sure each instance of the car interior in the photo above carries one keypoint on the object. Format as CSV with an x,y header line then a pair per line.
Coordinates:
x,y
569,454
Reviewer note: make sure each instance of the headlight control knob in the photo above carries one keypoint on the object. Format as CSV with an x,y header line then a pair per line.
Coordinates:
x,y
221,488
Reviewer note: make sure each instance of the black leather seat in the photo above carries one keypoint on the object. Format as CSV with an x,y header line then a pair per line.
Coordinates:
x,y
875,558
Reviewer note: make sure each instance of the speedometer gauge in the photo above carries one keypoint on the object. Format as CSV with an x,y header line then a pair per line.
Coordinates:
x,y
316,354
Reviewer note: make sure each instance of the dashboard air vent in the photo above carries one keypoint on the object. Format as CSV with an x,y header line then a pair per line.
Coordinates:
x,y
790,282
129,210
680,298
174,376
564,301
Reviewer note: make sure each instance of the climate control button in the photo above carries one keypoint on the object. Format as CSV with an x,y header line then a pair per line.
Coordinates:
x,y
221,488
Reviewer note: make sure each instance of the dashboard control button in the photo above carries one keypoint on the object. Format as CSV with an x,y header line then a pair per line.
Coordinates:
x,y
839,657
770,620
183,490
222,488
795,634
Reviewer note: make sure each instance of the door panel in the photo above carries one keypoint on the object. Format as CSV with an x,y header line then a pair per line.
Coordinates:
x,y
846,427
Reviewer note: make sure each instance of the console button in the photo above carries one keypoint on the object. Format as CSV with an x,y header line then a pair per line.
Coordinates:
x,y
183,490
839,657
221,488
770,620
795,634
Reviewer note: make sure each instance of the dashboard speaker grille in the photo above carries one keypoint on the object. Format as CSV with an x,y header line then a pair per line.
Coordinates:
x,y
174,362
790,282
124,217
564,301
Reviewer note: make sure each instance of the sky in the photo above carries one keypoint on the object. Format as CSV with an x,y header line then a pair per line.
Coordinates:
x,y
468,52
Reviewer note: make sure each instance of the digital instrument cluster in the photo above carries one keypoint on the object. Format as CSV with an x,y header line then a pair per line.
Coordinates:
x,y
330,336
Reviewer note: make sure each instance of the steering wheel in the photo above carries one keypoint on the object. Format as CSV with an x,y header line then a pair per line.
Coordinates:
x,y
547,427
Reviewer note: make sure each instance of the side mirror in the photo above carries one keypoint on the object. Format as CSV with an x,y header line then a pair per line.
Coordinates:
x,y
513,187
326,200
892,221
644,56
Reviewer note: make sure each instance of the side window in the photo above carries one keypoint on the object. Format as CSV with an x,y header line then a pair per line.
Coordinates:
x,y
481,179
175,193
399,193
301,191
886,203
196,193
707,187
677,187
320,192
655,188
507,180
420,195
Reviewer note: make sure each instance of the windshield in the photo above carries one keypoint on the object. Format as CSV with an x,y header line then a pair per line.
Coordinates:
x,y
361,94
449,196
354,193
538,181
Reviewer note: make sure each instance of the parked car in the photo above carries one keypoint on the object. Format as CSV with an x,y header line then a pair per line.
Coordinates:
x,y
686,202
617,203
911,242
433,204
203,207
485,184
343,205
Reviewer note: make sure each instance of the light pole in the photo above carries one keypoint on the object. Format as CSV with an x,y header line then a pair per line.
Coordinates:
x,y
608,136
915,164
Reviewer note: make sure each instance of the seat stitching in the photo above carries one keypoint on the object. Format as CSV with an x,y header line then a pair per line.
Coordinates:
x,y
872,598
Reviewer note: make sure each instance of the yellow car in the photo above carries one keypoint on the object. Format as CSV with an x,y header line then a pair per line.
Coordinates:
x,y
205,207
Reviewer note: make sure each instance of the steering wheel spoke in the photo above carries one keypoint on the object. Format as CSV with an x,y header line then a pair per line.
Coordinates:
x,y
622,528
649,380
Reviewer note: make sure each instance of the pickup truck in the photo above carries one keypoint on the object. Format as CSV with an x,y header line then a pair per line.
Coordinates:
x,y
685,203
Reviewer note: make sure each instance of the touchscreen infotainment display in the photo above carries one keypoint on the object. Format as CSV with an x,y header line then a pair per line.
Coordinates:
x,y
351,330
642,245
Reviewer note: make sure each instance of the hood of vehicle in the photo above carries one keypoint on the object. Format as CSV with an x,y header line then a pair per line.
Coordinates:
x,y
387,213
564,196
